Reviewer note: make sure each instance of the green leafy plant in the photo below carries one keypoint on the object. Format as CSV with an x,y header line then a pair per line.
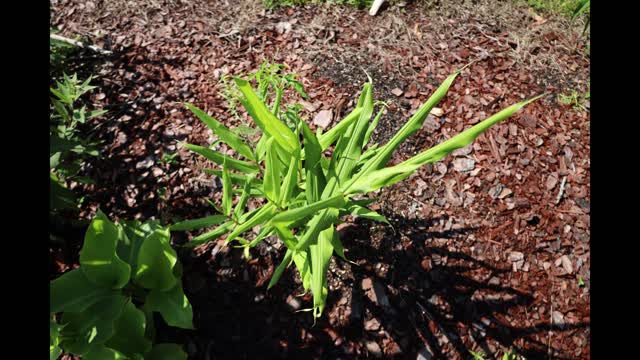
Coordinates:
x,y
582,7
105,307
575,99
67,145
304,192
169,158
59,52
477,355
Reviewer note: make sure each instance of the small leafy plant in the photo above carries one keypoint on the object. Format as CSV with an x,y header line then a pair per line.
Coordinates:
x,y
67,146
304,192
127,271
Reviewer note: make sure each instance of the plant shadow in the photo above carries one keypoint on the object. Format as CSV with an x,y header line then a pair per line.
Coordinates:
x,y
425,299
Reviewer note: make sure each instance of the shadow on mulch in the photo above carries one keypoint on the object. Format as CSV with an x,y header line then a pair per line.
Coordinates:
x,y
237,319
134,133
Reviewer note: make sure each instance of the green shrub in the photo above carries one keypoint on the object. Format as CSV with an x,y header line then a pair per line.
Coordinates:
x,y
127,271
305,193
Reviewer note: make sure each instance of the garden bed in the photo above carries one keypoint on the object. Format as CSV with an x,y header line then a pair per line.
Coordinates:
x,y
488,249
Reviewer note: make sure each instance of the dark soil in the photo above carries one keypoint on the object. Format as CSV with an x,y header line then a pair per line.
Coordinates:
x,y
484,260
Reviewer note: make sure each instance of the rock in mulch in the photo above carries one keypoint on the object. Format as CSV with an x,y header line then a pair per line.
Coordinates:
x,y
323,119
374,349
464,165
372,325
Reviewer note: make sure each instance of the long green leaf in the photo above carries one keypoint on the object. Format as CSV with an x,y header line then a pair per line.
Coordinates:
x,y
302,260
272,171
195,224
246,192
349,158
320,256
289,182
227,190
332,135
220,159
211,235
315,180
265,119
414,124
391,175
280,269
308,210
259,217
223,132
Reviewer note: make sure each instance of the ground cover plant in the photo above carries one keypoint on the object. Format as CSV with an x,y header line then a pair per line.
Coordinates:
x,y
305,193
104,309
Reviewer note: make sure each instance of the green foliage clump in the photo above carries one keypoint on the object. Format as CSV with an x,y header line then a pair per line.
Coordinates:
x,y
67,146
304,192
105,307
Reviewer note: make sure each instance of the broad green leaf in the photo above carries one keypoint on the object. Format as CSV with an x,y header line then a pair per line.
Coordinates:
x,y
227,191
272,173
54,340
98,258
218,158
173,305
156,260
166,352
195,224
128,337
265,119
308,210
320,256
363,212
54,352
132,235
223,132
289,182
280,269
60,197
211,235
103,353
95,325
302,260
73,292
315,180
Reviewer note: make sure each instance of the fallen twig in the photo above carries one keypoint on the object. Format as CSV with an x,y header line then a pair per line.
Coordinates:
x,y
80,44
561,190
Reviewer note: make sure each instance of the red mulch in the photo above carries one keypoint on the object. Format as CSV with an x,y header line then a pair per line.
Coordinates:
x,y
484,253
